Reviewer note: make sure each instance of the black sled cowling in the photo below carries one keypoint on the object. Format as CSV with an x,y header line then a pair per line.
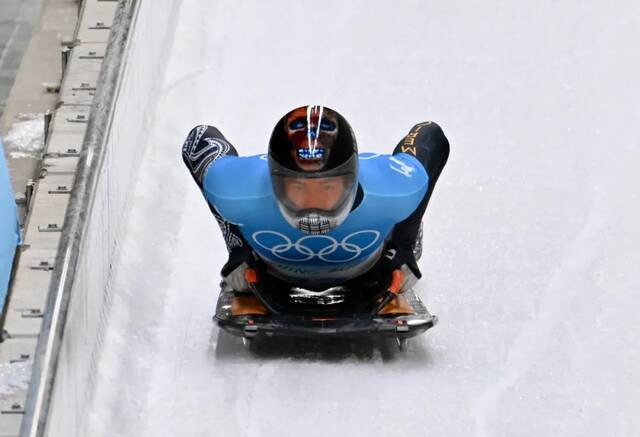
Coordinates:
x,y
333,312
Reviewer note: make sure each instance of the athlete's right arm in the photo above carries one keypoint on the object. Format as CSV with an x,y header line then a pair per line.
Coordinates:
x,y
205,145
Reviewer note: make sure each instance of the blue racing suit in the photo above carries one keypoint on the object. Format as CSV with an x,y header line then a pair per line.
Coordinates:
x,y
393,192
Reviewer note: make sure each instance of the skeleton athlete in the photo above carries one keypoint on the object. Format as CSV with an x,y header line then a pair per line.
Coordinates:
x,y
313,212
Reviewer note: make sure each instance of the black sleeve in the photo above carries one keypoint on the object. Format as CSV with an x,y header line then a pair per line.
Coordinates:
x,y
427,142
204,145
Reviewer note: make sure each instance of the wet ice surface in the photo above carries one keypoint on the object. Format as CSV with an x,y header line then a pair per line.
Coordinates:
x,y
530,240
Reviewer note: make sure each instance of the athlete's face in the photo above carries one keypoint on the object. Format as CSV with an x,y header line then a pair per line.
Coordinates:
x,y
317,193
313,131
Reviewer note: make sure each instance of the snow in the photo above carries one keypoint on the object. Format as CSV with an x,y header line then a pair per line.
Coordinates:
x,y
531,238
14,377
26,136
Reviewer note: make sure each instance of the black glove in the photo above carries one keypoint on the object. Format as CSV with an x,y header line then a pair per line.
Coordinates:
x,y
397,255
237,256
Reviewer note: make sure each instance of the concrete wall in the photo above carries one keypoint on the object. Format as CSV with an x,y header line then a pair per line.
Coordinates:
x,y
139,82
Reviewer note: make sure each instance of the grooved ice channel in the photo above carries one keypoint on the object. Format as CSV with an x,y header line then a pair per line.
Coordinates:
x,y
530,239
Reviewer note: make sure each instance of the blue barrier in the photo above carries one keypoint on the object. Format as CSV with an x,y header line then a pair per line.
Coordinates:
x,y
9,228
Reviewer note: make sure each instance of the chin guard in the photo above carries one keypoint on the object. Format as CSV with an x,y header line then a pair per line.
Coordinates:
x,y
314,224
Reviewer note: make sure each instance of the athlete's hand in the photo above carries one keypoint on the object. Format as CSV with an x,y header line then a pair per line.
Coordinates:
x,y
233,272
236,279
397,256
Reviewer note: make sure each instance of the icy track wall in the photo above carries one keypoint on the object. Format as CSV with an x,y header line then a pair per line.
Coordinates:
x,y
112,151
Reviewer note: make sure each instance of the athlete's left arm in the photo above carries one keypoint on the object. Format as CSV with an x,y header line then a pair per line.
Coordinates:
x,y
426,142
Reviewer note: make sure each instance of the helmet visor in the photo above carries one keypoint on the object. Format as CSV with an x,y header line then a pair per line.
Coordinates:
x,y
328,193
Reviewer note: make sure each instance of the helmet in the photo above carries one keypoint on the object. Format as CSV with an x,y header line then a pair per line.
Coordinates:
x,y
313,161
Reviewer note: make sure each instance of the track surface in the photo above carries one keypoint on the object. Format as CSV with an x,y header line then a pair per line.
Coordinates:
x,y
530,240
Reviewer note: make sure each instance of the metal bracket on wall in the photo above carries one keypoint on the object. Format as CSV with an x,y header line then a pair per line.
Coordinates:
x,y
65,55
22,359
32,313
50,227
100,26
79,118
48,116
71,152
15,409
62,189
28,191
84,87
42,265
91,55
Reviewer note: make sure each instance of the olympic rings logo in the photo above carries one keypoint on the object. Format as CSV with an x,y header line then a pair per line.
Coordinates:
x,y
323,247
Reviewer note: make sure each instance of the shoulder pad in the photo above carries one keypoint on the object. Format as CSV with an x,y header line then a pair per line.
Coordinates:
x,y
392,175
233,184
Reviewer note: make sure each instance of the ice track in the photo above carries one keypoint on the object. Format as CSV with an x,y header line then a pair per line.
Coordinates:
x,y
530,240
